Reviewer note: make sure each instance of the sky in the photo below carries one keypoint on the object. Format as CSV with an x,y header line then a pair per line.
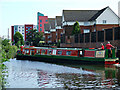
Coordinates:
x,y
20,12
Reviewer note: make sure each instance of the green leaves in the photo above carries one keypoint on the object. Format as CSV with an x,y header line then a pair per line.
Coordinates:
x,y
33,37
76,28
18,38
6,52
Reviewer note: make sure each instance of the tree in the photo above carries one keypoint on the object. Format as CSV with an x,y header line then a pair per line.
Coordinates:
x,y
5,42
76,28
33,37
37,37
18,38
30,36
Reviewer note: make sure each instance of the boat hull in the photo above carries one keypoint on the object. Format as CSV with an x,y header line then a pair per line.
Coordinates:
x,y
66,59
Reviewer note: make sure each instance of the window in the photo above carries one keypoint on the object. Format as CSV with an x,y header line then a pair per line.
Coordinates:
x,y
59,52
40,29
40,20
104,21
43,52
27,51
38,51
15,28
54,52
40,25
49,52
94,30
68,53
86,30
32,52
86,23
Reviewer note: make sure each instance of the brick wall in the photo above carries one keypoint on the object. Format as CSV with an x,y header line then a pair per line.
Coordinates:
x,y
46,37
98,27
59,31
53,37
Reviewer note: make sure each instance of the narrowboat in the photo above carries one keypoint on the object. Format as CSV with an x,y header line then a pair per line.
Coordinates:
x,y
71,55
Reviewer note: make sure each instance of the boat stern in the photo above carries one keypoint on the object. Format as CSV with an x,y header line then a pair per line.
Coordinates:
x,y
112,61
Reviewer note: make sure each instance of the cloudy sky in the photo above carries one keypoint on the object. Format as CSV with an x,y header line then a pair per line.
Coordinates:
x,y
20,12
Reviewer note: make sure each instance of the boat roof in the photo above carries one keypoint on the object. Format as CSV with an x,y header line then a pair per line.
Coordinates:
x,y
54,48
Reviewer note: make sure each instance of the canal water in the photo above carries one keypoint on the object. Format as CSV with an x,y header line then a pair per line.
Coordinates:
x,y
34,74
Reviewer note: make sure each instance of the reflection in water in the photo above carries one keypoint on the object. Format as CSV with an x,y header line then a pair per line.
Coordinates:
x,y
31,74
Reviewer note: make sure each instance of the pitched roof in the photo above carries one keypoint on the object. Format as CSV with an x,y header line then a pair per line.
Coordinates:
x,y
81,15
98,14
51,21
59,20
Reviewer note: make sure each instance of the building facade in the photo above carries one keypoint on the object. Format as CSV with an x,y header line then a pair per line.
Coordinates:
x,y
50,31
119,8
58,27
23,29
17,28
89,21
41,20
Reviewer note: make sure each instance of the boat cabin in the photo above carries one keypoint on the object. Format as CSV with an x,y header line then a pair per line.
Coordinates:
x,y
67,52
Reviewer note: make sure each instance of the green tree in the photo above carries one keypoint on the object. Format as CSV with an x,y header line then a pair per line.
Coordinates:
x,y
37,37
18,38
30,36
58,43
33,37
5,42
76,28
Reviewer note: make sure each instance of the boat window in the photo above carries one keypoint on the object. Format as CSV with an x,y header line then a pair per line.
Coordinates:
x,y
49,52
80,52
59,52
68,53
27,50
38,51
32,52
43,52
54,52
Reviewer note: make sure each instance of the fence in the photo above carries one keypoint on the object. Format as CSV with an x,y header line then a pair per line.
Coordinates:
x,y
99,36
93,39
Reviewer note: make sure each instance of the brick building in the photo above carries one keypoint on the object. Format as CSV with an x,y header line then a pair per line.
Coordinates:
x,y
90,21
94,39
23,29
41,20
58,27
50,31
47,33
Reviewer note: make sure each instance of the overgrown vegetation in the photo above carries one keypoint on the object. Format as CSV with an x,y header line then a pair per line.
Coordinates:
x,y
6,52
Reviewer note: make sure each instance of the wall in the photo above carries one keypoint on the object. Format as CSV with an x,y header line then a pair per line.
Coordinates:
x,y
28,27
41,21
109,16
47,37
12,32
58,32
53,37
